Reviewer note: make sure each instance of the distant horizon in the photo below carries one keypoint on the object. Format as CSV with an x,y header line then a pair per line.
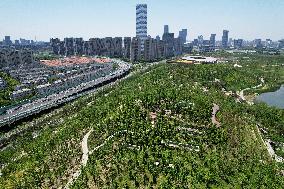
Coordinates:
x,y
219,40
245,19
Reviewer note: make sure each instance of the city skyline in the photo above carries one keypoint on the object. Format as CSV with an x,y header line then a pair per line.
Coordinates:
x,y
43,20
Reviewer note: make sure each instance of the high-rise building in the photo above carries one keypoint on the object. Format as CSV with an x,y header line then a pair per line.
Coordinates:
x,y
161,50
178,46
206,46
225,38
117,41
238,43
135,54
149,49
62,48
257,43
127,47
166,28
69,46
97,46
7,40
231,42
268,43
169,41
109,47
213,40
195,42
200,40
55,45
183,35
17,42
158,38
87,48
78,46
141,23
24,41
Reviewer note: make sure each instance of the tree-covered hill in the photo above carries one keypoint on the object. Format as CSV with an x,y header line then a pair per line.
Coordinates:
x,y
155,130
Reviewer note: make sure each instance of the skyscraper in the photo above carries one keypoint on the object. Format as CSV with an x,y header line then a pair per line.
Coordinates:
x,y
200,40
7,40
225,38
213,40
169,40
141,22
166,28
183,35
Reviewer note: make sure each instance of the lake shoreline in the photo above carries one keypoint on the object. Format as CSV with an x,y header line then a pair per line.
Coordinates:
x,y
270,91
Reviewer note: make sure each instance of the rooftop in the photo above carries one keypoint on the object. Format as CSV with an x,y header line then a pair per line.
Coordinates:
x,y
200,59
74,60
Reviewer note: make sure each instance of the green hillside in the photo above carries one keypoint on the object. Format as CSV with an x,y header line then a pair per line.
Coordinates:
x,y
154,130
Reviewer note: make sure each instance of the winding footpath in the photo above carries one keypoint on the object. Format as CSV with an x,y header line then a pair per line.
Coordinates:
x,y
269,148
86,154
84,160
255,87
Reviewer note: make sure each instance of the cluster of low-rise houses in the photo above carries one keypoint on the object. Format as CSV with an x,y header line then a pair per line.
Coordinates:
x,y
38,79
76,78
31,76
129,48
43,80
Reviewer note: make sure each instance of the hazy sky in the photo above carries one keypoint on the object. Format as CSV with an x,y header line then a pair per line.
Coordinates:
x,y
247,19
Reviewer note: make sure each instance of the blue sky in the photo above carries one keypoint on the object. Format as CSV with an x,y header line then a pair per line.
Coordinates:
x,y
247,19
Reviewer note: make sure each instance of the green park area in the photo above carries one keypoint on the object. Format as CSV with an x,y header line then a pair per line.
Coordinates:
x,y
11,83
167,126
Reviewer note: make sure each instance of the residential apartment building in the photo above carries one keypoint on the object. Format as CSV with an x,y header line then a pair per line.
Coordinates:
x,y
126,47
135,54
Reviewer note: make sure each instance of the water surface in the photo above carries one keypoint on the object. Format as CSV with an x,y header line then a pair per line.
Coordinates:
x,y
275,98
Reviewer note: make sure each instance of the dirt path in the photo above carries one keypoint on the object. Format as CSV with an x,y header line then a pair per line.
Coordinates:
x,y
255,87
272,153
86,154
215,110
84,161
85,149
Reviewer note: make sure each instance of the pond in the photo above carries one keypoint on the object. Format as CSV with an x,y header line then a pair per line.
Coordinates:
x,y
275,98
